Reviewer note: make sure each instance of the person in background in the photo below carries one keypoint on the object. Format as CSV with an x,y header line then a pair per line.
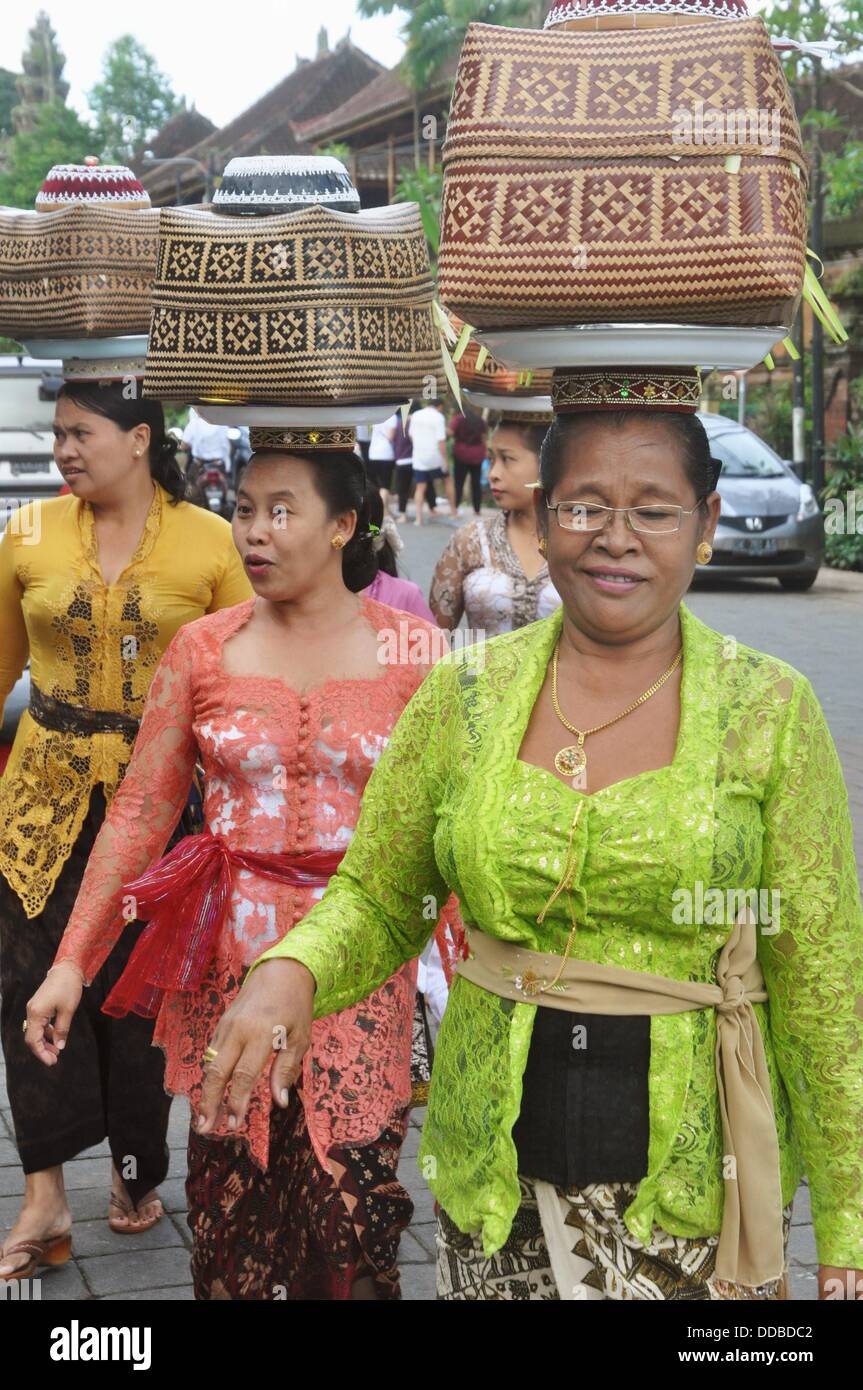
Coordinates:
x,y
468,434
209,446
430,462
433,984
403,449
207,443
364,435
122,564
387,587
381,457
492,570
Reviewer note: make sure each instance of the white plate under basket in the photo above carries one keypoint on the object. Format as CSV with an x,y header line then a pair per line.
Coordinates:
x,y
507,403
632,345
91,349
298,416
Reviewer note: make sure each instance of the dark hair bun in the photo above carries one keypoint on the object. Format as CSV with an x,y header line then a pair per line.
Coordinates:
x,y
340,479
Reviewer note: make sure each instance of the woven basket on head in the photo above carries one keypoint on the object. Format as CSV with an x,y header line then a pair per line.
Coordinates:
x,y
314,307
653,175
84,271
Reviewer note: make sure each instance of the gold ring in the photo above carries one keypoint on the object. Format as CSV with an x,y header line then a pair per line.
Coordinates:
x,y
210,1054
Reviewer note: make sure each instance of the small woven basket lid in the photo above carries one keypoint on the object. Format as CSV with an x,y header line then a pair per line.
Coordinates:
x,y
91,182
284,183
634,14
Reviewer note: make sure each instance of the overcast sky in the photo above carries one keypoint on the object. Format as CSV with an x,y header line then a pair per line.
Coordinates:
x,y
218,55
221,56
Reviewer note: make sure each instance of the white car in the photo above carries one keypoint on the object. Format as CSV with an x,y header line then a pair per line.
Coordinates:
x,y
771,526
28,390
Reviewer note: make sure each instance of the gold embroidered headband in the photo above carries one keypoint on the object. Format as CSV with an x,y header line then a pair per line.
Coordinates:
x,y
300,440
618,389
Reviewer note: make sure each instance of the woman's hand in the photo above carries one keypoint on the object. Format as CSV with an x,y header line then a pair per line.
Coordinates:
x,y
56,999
834,1282
272,1013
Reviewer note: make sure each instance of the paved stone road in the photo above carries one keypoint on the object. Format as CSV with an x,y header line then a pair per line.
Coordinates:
x,y
819,633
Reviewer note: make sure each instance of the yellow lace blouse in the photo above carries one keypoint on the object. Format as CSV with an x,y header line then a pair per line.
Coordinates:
x,y
92,645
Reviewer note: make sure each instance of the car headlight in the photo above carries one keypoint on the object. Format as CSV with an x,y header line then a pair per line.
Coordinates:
x,y
808,503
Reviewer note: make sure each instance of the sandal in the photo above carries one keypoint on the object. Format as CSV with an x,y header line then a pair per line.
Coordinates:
x,y
56,1251
130,1213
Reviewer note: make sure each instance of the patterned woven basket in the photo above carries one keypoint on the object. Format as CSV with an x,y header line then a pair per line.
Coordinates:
x,y
315,307
83,271
588,179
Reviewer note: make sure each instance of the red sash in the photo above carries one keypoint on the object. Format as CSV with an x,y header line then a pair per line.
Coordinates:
x,y
184,900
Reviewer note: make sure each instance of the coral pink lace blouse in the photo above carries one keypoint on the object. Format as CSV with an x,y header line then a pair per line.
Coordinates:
x,y
284,772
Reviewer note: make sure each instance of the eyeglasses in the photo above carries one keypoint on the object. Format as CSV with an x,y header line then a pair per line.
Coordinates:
x,y
589,516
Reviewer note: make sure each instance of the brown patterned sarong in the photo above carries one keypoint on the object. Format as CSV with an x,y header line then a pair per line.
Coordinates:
x,y
612,1263
110,1082
292,1231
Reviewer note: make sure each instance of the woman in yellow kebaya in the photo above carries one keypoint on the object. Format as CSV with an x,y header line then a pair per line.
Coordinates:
x,y
93,586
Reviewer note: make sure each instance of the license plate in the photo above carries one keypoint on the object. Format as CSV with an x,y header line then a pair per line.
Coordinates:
x,y
20,468
756,545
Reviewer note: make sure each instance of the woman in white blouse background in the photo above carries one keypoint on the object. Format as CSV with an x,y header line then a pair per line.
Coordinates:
x,y
492,571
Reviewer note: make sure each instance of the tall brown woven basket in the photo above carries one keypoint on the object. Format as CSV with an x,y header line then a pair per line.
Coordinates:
x,y
83,271
584,180
313,306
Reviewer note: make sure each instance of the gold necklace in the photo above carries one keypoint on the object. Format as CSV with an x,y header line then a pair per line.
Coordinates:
x,y
565,883
571,761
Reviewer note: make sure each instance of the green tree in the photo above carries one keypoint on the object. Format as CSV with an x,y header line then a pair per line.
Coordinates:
x,y
815,20
434,29
337,149
842,22
41,82
132,102
845,181
58,136
8,98
424,187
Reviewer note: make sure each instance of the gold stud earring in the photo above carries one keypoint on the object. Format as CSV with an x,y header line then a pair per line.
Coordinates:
x,y
542,546
703,553
337,542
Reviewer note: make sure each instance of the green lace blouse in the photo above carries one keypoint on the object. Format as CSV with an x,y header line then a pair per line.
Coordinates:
x,y
754,799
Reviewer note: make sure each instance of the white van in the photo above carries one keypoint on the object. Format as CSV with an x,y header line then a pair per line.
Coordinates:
x,y
28,391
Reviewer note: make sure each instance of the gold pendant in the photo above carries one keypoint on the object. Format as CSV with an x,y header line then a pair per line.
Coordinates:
x,y
570,761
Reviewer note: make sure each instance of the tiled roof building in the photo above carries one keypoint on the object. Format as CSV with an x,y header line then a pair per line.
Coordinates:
x,y
269,125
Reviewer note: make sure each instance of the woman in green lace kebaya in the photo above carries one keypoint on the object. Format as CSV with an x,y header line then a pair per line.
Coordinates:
x,y
581,1140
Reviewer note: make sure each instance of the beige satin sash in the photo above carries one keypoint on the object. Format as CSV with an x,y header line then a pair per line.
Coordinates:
x,y
750,1250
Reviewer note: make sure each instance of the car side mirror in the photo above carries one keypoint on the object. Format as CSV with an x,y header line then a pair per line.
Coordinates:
x,y
50,387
